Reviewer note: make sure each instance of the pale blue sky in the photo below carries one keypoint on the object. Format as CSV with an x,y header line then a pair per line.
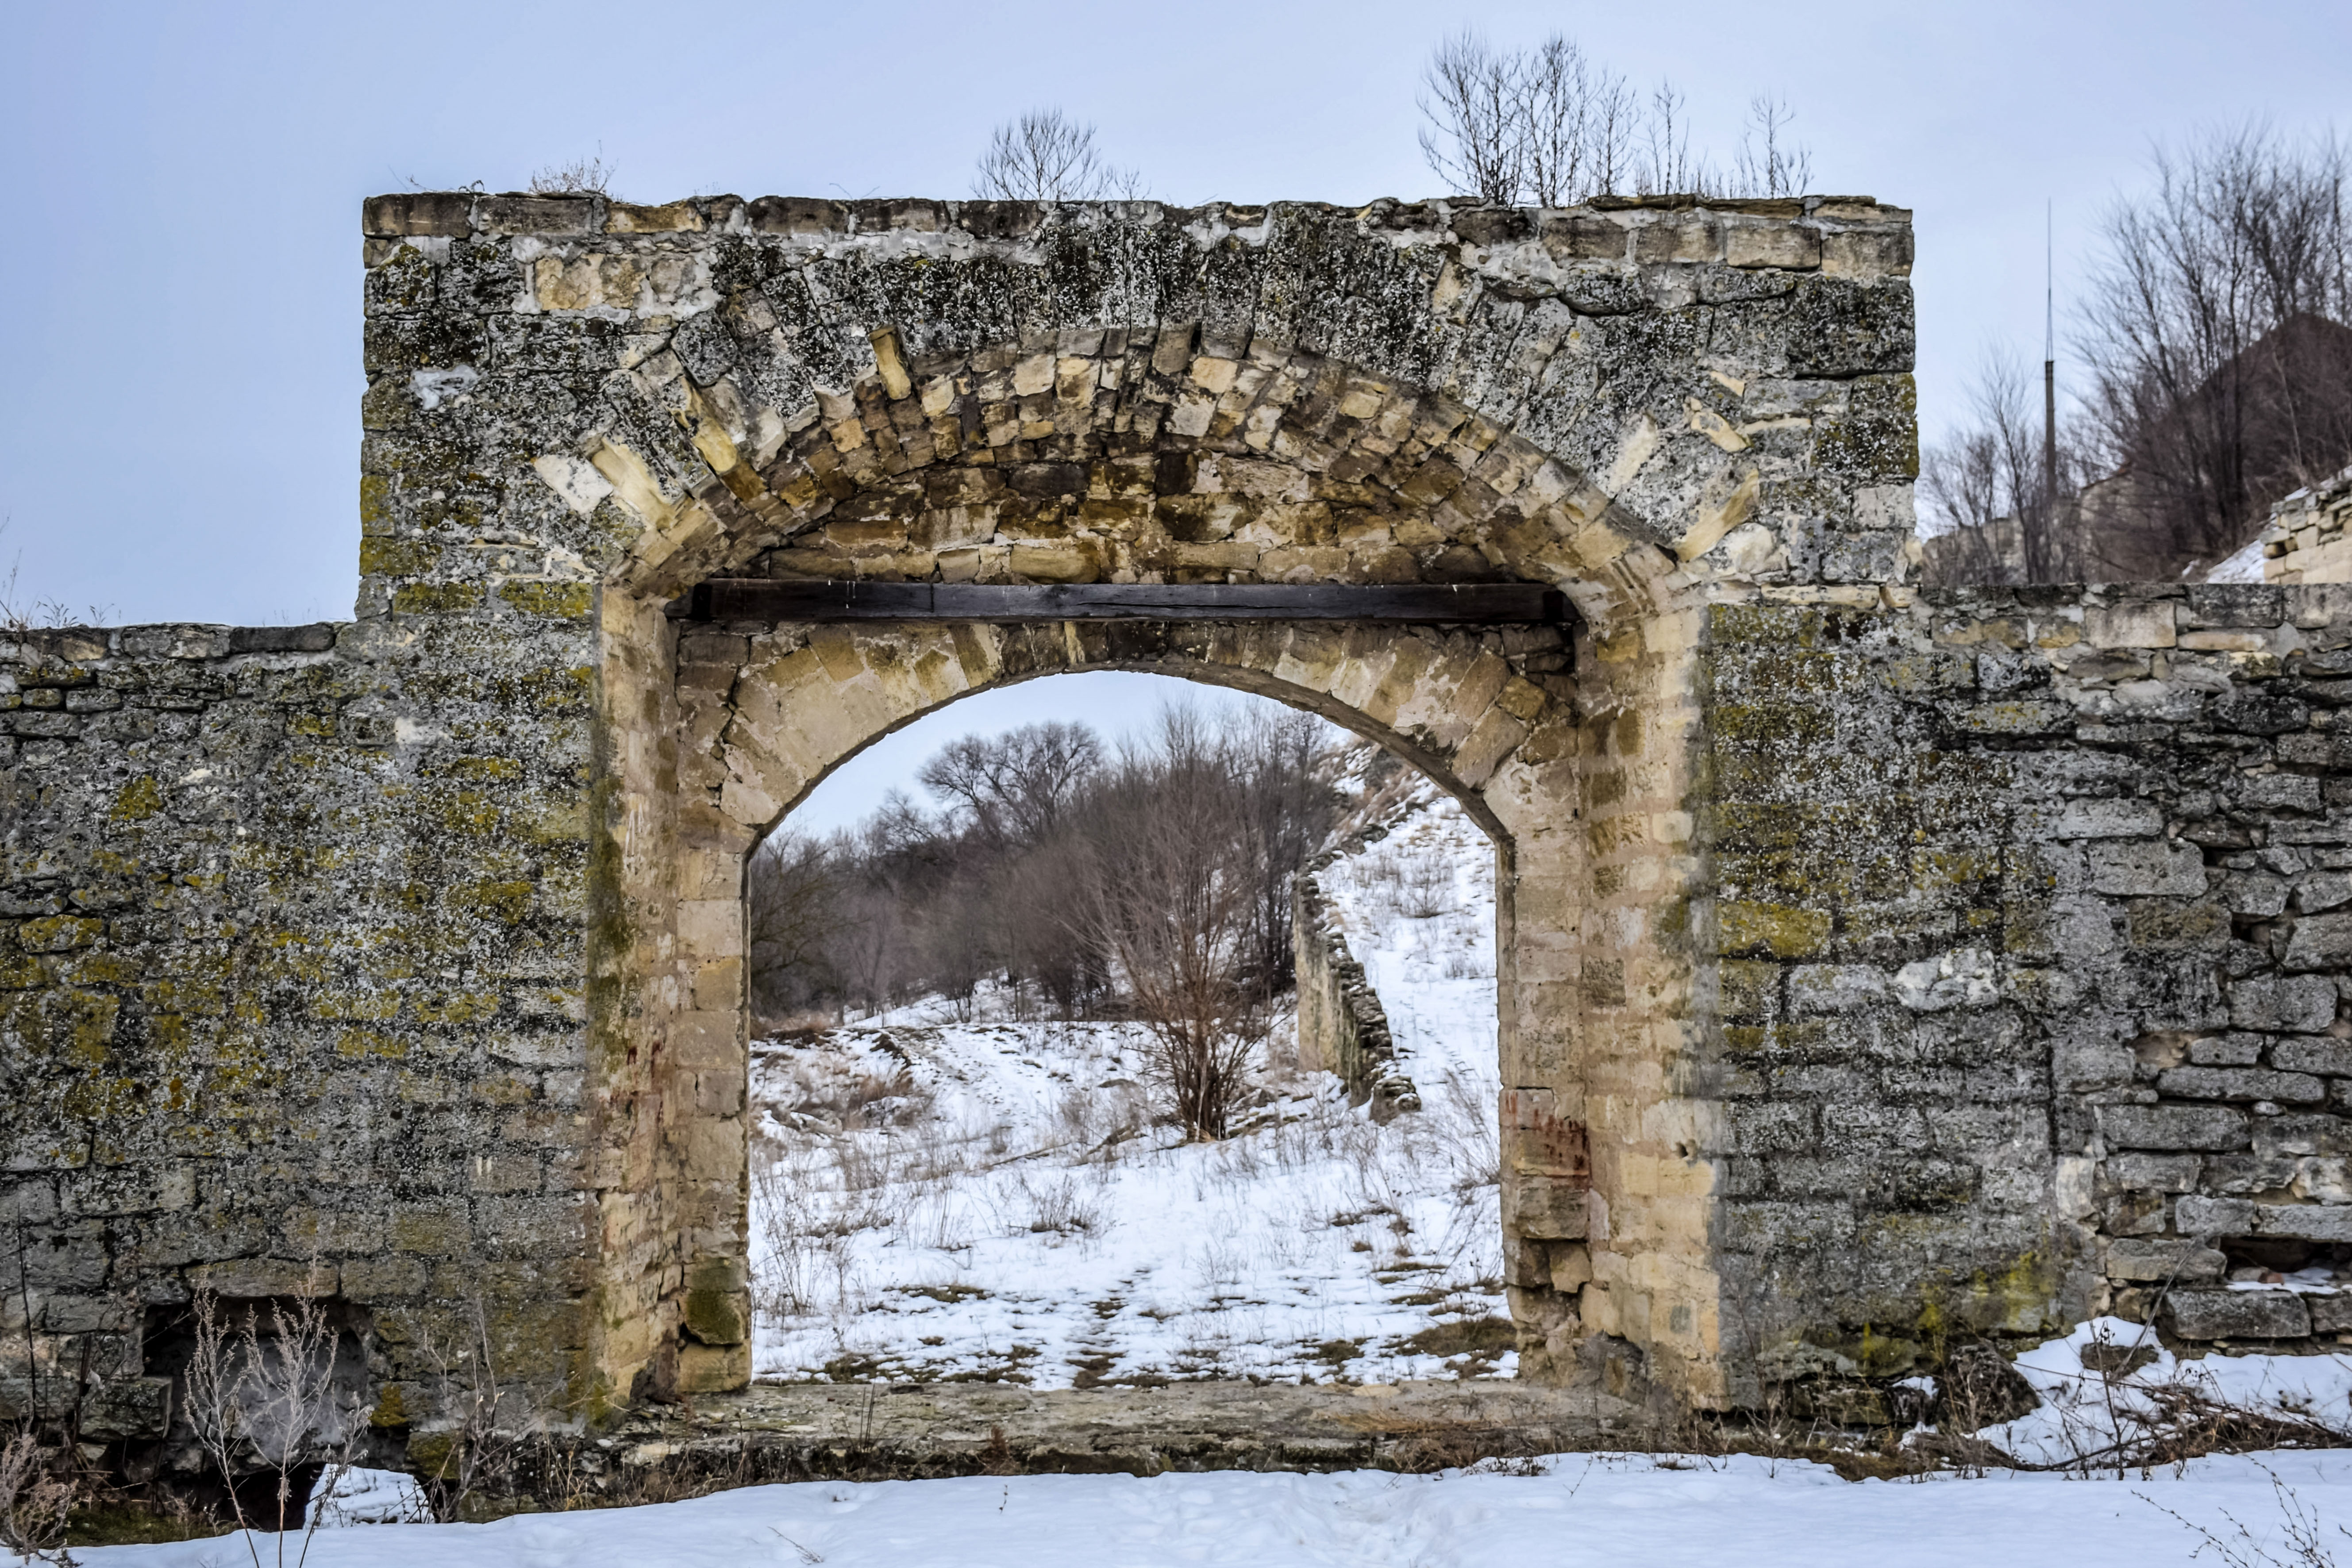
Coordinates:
x,y
179,384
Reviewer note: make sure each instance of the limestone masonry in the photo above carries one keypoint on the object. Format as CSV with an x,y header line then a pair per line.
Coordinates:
x,y
1879,971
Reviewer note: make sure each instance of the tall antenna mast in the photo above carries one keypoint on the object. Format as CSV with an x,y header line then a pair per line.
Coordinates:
x,y
2048,372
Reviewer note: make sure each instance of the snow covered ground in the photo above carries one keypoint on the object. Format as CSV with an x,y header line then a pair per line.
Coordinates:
x,y
2110,1391
939,1201
1570,1509
942,1197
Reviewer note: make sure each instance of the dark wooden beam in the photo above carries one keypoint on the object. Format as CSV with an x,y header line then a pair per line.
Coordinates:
x,y
763,600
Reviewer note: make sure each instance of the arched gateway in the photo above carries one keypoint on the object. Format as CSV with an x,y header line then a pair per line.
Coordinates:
x,y
444,994
907,394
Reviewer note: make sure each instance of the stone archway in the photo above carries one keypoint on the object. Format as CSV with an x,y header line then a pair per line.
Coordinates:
x,y
1124,459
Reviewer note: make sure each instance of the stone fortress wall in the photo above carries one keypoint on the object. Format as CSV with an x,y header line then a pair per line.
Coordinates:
x,y
1877,969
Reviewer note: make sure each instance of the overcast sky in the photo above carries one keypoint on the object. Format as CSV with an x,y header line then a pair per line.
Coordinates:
x,y
179,409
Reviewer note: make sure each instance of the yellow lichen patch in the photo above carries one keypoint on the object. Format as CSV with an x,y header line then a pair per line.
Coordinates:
x,y
508,902
479,769
561,600
437,597
456,1007
60,933
364,1006
363,1042
137,800
1783,931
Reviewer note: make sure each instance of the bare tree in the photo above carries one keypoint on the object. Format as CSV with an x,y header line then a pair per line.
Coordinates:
x,y
1167,896
1551,126
1477,133
1768,163
1579,120
1015,786
1046,156
1666,166
792,898
2216,333
1986,488
918,903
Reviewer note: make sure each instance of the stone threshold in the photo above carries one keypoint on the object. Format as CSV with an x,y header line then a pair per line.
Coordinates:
x,y
852,1430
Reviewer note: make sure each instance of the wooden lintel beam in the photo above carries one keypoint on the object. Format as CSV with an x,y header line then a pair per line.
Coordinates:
x,y
763,600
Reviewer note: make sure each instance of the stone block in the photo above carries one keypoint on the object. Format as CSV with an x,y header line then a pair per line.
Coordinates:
x,y
2092,818
2151,1173
1831,988
2202,1127
2243,1084
2227,1050
2319,942
1546,1208
2130,625
712,1369
2146,867
127,1409
2299,1004
424,213
1571,1268
2305,1221
2163,1261
1867,252
518,215
246,1278
2237,1314
1785,245
2322,1054
2234,604
2329,1314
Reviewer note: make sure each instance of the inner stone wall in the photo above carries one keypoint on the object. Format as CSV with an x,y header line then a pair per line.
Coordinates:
x,y
292,948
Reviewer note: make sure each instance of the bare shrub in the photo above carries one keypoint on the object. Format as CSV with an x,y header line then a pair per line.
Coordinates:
x,y
38,1495
1425,888
22,611
2307,1541
1167,896
578,177
1478,129
1768,162
273,1392
481,1428
1046,156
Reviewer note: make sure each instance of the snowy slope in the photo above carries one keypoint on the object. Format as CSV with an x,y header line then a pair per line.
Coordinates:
x,y
936,1200
986,1199
1580,1508
1412,891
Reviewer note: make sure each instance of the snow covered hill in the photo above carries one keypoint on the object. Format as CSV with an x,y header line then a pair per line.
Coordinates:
x,y
938,1198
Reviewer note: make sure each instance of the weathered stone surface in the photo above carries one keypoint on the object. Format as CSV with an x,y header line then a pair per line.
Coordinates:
x,y
2182,1262
2237,1314
1879,945
2172,1127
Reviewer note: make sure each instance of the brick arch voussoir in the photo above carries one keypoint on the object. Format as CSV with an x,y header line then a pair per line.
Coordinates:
x,y
1454,703
1143,398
